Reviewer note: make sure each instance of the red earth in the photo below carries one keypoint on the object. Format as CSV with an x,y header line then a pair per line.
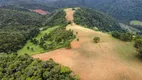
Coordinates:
x,y
40,11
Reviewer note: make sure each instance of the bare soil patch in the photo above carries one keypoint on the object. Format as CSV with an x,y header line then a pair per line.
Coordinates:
x,y
40,11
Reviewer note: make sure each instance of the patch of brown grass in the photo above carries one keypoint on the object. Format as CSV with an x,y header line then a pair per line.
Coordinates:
x,y
100,61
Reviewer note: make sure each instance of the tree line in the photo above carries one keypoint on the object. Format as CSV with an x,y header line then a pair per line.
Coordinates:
x,y
13,67
60,37
95,19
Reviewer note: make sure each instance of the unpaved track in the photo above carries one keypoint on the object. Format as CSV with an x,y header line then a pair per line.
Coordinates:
x,y
94,61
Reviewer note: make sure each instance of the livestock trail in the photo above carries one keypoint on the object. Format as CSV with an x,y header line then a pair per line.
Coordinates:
x,y
110,59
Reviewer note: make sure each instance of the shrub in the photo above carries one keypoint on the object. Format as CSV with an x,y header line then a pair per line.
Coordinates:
x,y
69,22
77,39
96,39
125,36
116,34
140,52
68,45
73,9
138,43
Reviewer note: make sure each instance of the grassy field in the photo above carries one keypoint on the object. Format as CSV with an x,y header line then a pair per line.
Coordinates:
x,y
36,48
136,23
110,59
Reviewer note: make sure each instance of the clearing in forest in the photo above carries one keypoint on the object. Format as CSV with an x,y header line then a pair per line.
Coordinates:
x,y
110,59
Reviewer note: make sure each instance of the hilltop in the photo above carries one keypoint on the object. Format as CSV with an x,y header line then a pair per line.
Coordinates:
x,y
66,36
110,59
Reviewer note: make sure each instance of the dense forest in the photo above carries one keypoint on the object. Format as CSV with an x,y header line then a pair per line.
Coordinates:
x,y
95,19
13,67
123,10
56,18
16,27
57,38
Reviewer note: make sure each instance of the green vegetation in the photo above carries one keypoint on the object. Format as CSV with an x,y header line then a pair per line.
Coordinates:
x,y
56,19
122,10
92,18
47,40
13,67
17,27
124,36
96,39
77,39
138,43
138,46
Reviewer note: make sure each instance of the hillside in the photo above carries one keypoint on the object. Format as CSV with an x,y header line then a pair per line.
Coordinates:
x,y
123,10
16,27
110,59
95,19
90,42
13,67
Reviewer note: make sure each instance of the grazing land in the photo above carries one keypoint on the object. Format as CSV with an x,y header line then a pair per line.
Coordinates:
x,y
110,59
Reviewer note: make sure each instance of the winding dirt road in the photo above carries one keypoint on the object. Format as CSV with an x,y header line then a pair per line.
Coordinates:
x,y
93,61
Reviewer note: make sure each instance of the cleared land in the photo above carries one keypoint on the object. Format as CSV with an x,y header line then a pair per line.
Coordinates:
x,y
111,59
40,11
136,23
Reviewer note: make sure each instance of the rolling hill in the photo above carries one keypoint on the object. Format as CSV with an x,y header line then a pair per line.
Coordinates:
x,y
123,10
96,20
110,59
35,46
27,32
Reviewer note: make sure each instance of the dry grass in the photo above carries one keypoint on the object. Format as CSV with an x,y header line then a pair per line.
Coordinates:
x,y
101,61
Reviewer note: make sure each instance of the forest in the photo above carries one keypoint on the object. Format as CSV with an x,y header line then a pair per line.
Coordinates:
x,y
17,27
52,40
95,19
14,67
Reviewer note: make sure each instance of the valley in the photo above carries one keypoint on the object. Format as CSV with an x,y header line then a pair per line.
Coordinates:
x,y
110,59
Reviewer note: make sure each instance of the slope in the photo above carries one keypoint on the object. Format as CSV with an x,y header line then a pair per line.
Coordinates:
x,y
123,10
96,19
16,27
110,59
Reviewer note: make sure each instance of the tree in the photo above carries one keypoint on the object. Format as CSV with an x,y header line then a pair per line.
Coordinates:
x,y
68,45
140,52
96,39
69,22
115,34
28,47
45,36
32,49
138,43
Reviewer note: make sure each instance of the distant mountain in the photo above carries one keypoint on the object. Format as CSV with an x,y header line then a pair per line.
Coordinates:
x,y
123,10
